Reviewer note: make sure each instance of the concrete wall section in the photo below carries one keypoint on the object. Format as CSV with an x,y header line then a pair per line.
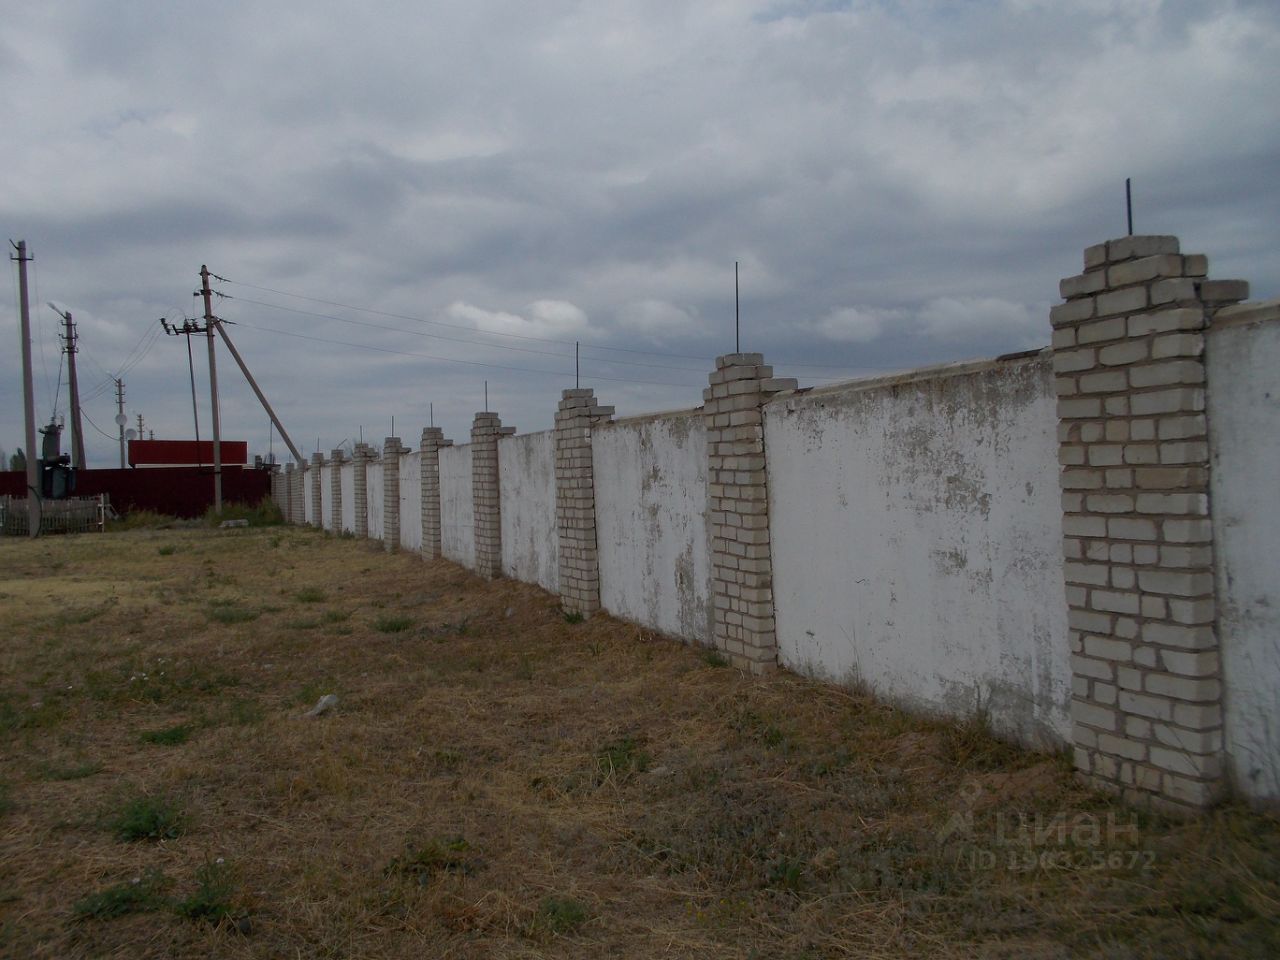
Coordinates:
x,y
374,493
348,497
916,534
1243,358
527,486
651,500
411,501
457,510
308,496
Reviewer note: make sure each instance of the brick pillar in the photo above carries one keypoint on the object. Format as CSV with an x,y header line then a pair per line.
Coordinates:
x,y
738,502
391,451
286,488
360,490
317,468
335,489
1137,532
432,440
297,503
579,558
485,431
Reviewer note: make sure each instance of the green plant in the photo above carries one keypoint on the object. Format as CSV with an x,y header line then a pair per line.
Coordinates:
x,y
335,616
392,624
560,915
75,771
133,896
713,657
573,616
227,612
168,737
264,513
168,550
6,801
619,759
143,519
243,712
147,818
211,900
310,595
433,857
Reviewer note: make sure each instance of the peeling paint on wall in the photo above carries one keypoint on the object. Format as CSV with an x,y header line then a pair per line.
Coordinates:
x,y
651,498
916,533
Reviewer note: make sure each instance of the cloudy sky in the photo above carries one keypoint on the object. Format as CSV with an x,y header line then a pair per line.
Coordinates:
x,y
409,199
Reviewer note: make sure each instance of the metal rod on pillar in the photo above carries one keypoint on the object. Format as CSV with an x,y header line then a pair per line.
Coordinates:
x,y
576,379
1128,203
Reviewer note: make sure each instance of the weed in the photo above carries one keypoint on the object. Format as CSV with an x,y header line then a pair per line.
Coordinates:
x,y
133,896
244,713
263,514
143,519
524,668
573,616
274,543
30,716
308,624
713,657
78,615
211,901
392,624
310,595
560,916
620,759
168,737
786,873
168,550
433,857
761,728
335,616
227,612
147,818
974,746
6,800
75,771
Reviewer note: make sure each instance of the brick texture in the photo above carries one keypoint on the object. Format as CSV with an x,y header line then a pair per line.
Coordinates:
x,y
360,457
576,416
335,489
391,450
743,624
297,505
316,518
432,440
1137,537
485,430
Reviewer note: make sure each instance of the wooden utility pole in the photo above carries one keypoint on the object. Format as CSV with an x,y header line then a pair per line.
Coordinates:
x,y
28,392
77,429
210,321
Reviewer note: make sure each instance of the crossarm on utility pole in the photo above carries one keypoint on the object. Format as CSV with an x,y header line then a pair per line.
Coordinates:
x,y
261,398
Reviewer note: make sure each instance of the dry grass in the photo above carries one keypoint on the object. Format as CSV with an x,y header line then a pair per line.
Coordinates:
x,y
498,782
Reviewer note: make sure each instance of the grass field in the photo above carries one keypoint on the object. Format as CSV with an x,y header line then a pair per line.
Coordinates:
x,y
496,781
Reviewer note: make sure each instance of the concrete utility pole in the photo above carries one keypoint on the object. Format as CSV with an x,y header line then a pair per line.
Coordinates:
x,y
28,390
261,397
210,321
121,418
77,429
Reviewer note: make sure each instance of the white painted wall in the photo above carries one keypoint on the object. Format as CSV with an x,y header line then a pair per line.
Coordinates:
x,y
651,499
527,487
348,496
411,501
326,498
457,510
916,529
1243,373
374,499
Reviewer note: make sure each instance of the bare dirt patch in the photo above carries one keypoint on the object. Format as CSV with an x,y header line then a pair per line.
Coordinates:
x,y
498,782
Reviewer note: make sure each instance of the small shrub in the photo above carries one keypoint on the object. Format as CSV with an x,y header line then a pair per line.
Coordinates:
x,y
714,658
573,616
211,901
169,737
147,818
133,896
310,595
560,916
144,520
620,759
335,616
392,624
168,550
433,857
228,613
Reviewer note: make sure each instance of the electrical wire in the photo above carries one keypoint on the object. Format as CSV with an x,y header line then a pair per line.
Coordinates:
x,y
98,428
470,363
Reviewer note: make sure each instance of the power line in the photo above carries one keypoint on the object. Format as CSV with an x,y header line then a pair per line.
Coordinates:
x,y
452,360
438,336
96,427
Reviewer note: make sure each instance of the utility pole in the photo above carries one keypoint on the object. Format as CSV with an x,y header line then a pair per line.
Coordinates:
x,y
121,419
244,368
28,390
210,322
77,429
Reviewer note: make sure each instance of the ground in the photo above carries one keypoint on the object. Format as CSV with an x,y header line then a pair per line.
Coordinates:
x,y
498,781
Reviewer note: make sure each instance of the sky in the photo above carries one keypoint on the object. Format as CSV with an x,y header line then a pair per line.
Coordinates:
x,y
403,201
